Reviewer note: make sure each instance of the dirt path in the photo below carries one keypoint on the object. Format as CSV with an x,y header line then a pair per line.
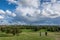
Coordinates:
x,y
57,36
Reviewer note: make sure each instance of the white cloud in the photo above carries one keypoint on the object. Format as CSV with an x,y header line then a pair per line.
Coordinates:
x,y
53,1
2,12
56,7
31,7
21,23
51,11
1,17
31,3
32,12
11,1
4,22
13,14
6,17
10,13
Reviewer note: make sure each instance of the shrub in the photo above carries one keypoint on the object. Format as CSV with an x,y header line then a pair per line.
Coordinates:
x,y
2,29
16,31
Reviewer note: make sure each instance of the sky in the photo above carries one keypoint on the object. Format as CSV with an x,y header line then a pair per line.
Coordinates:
x,y
33,12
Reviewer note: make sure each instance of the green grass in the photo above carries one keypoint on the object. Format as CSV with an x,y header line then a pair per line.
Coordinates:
x,y
30,35
27,36
27,30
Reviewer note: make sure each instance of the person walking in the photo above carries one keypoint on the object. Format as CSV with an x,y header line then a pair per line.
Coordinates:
x,y
45,33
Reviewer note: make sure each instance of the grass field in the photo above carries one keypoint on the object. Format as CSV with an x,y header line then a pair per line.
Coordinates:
x,y
29,35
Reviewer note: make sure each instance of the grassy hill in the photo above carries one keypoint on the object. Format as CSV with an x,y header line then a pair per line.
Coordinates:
x,y
26,32
29,35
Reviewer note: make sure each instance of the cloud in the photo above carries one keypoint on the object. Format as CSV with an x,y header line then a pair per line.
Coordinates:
x,y
30,3
53,1
10,13
7,12
2,12
1,17
51,11
6,17
29,9
28,13
11,1
32,11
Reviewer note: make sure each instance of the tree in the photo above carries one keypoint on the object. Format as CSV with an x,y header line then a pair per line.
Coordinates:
x,y
2,29
16,31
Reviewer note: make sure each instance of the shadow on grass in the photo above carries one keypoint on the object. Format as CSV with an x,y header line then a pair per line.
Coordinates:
x,y
6,35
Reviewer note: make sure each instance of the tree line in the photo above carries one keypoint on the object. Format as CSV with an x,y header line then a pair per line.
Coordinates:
x,y
16,29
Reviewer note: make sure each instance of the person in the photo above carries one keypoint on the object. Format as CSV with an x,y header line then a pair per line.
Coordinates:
x,y
46,33
40,33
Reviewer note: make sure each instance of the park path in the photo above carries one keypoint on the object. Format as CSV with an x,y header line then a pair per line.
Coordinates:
x,y
57,36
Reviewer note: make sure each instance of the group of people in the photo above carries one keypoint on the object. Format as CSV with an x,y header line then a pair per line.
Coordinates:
x,y
45,33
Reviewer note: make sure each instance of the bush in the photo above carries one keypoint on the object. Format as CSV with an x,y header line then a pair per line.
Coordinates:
x,y
2,29
16,31
8,30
